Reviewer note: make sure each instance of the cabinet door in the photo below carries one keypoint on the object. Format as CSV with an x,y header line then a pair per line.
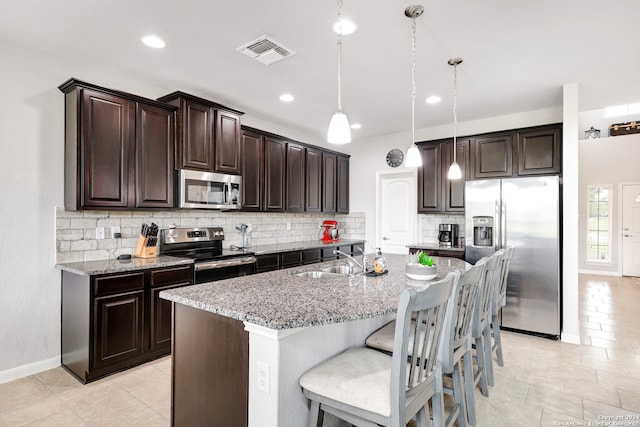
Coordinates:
x,y
274,172
454,189
268,262
227,142
160,309
539,152
342,185
295,178
429,179
155,175
196,143
492,156
118,328
313,180
105,150
329,174
252,170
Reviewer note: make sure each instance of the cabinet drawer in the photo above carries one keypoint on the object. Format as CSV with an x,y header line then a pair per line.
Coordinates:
x,y
452,254
291,259
327,254
171,276
311,256
267,263
120,283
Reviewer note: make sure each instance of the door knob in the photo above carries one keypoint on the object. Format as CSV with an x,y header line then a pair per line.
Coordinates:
x,y
386,238
626,229
628,235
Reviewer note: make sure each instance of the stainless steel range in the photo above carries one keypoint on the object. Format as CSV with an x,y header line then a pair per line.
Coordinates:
x,y
204,246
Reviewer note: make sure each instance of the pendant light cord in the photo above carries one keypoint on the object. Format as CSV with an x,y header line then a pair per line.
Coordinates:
x,y
340,56
413,82
455,115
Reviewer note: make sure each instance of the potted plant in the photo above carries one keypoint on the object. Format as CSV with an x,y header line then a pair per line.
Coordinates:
x,y
421,267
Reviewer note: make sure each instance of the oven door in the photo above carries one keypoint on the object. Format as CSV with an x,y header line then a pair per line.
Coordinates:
x,y
210,271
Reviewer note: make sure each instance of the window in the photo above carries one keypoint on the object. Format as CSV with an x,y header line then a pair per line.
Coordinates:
x,y
599,223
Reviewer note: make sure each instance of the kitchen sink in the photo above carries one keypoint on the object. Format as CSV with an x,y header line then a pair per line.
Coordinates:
x,y
339,269
318,274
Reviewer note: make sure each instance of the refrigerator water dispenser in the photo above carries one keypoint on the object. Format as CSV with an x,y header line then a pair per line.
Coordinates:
x,y
483,231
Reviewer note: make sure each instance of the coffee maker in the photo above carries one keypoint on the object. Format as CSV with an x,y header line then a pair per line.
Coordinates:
x,y
448,234
330,233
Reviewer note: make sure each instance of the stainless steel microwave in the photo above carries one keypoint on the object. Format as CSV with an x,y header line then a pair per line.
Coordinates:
x,y
207,190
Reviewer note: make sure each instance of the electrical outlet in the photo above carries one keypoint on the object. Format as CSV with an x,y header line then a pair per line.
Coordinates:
x,y
263,377
288,226
99,232
115,232
249,228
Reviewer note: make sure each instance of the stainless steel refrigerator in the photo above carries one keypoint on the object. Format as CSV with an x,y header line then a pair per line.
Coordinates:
x,y
524,213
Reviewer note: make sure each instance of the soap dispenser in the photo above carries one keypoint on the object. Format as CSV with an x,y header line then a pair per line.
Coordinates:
x,y
379,265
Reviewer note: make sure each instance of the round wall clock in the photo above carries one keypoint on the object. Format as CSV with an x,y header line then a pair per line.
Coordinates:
x,y
395,158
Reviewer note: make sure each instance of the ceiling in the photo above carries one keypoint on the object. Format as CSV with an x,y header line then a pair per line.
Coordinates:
x,y
517,54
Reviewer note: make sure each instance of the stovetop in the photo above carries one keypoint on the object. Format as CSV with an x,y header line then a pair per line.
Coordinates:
x,y
198,243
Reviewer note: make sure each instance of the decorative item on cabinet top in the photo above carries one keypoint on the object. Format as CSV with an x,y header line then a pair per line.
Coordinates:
x,y
624,128
591,133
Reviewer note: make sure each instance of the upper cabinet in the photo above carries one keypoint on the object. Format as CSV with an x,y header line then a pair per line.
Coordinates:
x,y
295,177
342,185
208,134
275,151
118,149
519,152
329,173
313,180
252,170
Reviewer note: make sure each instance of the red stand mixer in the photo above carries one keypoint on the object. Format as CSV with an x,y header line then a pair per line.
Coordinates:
x,y
330,233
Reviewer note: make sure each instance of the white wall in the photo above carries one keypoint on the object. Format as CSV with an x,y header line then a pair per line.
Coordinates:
x,y
31,187
606,161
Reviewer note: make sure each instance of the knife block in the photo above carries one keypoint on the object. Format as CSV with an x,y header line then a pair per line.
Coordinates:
x,y
144,251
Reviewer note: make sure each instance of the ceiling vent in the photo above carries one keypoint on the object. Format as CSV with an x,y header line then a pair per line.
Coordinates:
x,y
265,50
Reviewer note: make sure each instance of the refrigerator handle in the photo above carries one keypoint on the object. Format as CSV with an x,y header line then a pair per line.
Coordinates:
x,y
497,226
503,225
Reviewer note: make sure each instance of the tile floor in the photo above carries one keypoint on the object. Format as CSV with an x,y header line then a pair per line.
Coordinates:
x,y
543,382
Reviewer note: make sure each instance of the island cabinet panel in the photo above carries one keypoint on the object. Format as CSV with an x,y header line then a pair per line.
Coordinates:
x,y
313,180
154,157
493,156
112,322
539,152
252,170
119,149
329,175
227,142
295,178
274,174
105,150
210,369
430,179
342,185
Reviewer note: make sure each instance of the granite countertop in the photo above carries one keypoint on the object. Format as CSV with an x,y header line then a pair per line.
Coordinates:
x,y
89,268
298,246
436,247
279,300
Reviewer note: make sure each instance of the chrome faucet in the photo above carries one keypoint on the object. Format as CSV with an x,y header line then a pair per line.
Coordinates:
x,y
350,261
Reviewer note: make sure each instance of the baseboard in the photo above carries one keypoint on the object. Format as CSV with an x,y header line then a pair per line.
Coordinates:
x,y
600,273
30,369
570,338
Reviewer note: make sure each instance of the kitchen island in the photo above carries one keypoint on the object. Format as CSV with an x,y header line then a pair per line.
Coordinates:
x,y
240,345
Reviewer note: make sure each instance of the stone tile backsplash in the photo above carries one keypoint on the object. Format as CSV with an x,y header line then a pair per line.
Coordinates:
x,y
76,230
429,226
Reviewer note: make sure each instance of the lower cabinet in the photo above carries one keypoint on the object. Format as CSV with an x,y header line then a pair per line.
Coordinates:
x,y
288,259
439,252
115,321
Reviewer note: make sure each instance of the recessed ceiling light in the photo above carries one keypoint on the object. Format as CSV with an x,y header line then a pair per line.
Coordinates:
x,y
433,99
356,126
286,97
153,41
345,26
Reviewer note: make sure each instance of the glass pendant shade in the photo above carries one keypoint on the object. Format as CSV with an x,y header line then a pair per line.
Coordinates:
x,y
454,171
339,130
414,160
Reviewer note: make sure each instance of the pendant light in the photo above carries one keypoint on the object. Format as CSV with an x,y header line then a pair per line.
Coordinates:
x,y
339,130
454,169
413,154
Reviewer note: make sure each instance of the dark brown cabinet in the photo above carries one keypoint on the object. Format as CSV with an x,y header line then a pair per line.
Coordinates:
x,y
118,149
313,180
274,176
329,175
115,321
252,170
295,190
342,185
453,200
539,151
208,134
430,178
493,155
439,252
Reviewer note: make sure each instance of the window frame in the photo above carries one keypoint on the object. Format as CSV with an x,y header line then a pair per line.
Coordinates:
x,y
609,230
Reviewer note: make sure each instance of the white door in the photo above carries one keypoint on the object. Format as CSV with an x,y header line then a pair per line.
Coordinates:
x,y
631,230
397,211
